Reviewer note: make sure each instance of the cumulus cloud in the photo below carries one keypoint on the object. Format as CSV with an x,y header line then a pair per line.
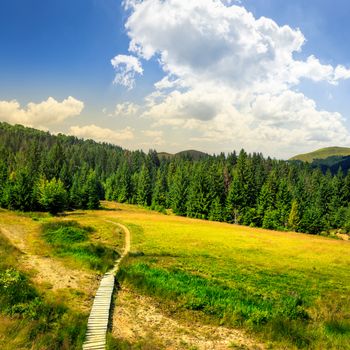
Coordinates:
x,y
41,114
102,134
231,76
126,109
126,68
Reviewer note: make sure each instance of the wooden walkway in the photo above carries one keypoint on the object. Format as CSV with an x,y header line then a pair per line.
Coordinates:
x,y
99,315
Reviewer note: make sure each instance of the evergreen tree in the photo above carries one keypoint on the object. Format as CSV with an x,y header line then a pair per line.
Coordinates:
x,y
179,189
18,193
144,187
110,186
234,199
52,195
283,203
159,198
216,210
200,194
293,218
91,191
3,181
123,184
75,193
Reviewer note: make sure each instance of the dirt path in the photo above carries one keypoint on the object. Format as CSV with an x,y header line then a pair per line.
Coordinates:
x,y
51,272
137,320
126,247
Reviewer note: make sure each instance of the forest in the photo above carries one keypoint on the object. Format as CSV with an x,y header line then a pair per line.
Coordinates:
x,y
40,171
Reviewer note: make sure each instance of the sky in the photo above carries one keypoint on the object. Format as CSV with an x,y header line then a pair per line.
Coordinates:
x,y
268,76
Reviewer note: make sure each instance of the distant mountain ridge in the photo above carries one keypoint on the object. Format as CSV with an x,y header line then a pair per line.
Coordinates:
x,y
190,154
327,159
323,153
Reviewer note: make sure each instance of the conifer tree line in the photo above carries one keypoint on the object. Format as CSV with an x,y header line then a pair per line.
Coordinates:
x,y
39,171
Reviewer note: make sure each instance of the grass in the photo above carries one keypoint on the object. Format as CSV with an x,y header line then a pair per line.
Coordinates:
x,y
27,319
37,309
70,239
286,288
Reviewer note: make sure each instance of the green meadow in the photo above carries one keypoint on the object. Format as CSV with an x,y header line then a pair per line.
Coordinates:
x,y
289,290
286,290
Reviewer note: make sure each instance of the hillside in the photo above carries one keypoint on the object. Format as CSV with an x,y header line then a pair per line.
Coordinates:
x,y
322,153
188,154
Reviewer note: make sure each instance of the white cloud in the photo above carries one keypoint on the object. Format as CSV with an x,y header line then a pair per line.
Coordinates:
x,y
155,138
41,114
232,77
126,109
102,134
126,67
341,73
153,133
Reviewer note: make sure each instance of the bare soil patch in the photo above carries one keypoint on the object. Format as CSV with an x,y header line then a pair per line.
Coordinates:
x,y
48,272
137,319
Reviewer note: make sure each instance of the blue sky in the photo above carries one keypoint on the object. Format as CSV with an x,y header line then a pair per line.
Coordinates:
x,y
56,49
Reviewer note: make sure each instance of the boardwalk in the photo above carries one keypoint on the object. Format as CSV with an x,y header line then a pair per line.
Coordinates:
x,y
99,315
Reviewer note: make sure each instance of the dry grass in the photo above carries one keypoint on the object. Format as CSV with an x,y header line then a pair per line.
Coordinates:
x,y
60,281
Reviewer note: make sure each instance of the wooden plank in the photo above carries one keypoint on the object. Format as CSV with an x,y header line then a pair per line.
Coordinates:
x,y
99,315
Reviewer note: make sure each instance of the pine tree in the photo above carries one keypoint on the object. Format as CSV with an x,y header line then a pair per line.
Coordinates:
x,y
337,200
19,191
110,185
200,194
144,187
178,191
124,184
216,210
3,182
283,203
159,197
293,218
234,199
75,193
91,189
267,200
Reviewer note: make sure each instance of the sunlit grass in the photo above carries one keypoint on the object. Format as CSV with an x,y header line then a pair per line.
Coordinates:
x,y
289,288
285,288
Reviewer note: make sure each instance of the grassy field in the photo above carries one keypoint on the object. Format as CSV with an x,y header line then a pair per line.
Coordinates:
x,y
290,290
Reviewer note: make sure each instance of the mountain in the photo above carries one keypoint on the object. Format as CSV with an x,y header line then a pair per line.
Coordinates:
x,y
323,153
188,154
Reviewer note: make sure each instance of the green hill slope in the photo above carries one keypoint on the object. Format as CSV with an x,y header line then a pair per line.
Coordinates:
x,y
322,153
190,154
